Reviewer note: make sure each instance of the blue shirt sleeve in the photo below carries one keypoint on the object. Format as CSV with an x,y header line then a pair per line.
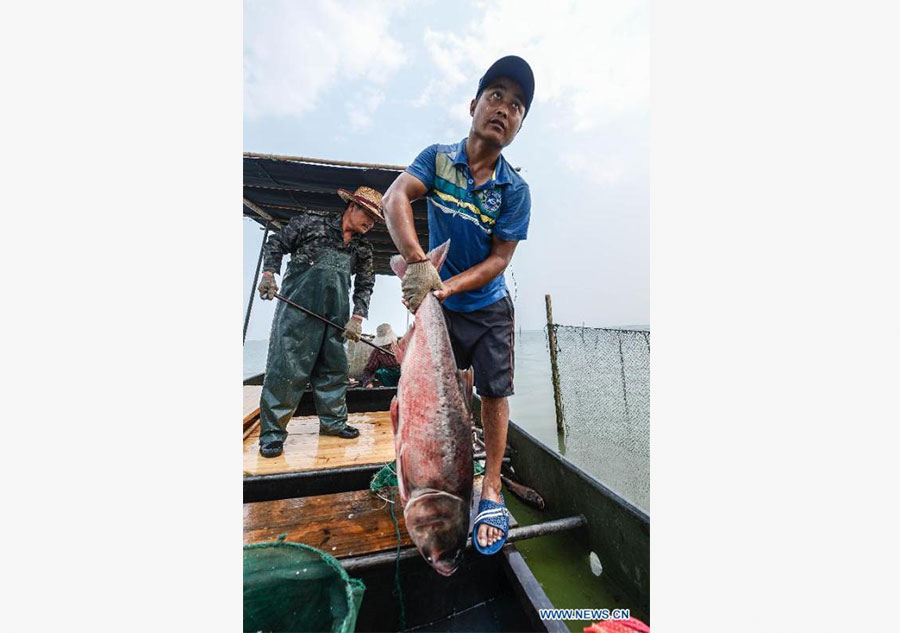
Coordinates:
x,y
423,166
512,224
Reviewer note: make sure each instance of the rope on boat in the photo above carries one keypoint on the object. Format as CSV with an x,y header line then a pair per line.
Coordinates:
x,y
387,478
398,590
384,478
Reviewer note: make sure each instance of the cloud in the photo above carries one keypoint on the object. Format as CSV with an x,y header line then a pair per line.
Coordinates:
x,y
601,170
360,109
591,60
441,49
295,51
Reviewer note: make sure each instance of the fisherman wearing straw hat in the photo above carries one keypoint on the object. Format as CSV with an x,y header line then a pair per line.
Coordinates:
x,y
326,249
477,201
381,365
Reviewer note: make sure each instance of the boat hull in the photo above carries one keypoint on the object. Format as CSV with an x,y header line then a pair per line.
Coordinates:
x,y
618,532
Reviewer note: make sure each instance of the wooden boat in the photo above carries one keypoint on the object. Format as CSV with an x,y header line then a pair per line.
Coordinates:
x,y
324,500
318,493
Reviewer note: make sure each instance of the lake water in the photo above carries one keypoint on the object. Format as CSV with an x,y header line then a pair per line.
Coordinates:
x,y
532,405
532,408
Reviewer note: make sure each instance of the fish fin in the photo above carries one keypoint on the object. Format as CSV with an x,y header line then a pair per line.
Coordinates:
x,y
403,343
395,413
466,381
401,486
398,265
439,254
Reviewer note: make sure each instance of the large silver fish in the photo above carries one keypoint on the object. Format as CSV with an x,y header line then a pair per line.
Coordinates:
x,y
432,419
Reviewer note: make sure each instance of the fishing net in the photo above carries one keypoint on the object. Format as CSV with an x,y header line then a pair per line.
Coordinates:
x,y
357,357
604,385
295,587
387,476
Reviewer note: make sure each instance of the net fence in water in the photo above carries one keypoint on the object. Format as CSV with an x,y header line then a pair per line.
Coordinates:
x,y
604,384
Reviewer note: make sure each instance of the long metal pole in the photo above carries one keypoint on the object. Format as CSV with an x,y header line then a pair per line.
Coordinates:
x,y
331,323
255,279
506,460
515,534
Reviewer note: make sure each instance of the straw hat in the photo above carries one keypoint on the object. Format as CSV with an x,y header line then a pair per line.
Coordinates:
x,y
366,197
384,335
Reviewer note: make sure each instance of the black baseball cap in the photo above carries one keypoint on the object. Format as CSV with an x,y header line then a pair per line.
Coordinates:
x,y
515,68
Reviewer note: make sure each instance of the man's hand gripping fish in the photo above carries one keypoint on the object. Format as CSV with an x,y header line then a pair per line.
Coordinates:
x,y
432,419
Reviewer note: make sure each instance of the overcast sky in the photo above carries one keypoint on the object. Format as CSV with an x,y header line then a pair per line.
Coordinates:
x,y
379,81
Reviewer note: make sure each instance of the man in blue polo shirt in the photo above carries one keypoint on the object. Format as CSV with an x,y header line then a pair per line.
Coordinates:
x,y
477,201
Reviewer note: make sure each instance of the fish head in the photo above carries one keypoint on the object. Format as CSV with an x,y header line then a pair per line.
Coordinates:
x,y
438,524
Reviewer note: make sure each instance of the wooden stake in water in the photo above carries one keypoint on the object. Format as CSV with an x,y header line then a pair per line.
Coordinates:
x,y
557,398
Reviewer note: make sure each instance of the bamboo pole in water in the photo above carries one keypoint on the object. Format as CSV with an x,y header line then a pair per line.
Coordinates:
x,y
554,368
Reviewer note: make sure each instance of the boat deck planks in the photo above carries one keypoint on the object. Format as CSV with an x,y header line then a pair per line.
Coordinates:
x,y
343,524
251,399
306,450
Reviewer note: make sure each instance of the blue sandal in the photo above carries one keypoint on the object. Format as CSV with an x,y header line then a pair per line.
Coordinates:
x,y
496,515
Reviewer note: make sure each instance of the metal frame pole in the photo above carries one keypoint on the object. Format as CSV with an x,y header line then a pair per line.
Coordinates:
x,y
515,534
255,279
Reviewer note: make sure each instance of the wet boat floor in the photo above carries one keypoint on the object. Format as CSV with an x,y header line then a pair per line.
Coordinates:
x,y
306,450
344,524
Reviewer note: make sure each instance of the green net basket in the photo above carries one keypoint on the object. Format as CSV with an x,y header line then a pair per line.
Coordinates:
x,y
295,587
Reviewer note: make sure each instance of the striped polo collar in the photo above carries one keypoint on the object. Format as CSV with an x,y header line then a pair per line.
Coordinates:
x,y
501,175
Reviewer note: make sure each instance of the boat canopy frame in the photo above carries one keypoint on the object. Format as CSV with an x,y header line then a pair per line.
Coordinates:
x,y
277,188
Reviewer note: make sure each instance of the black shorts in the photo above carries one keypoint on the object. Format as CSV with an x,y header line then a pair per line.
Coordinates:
x,y
485,339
